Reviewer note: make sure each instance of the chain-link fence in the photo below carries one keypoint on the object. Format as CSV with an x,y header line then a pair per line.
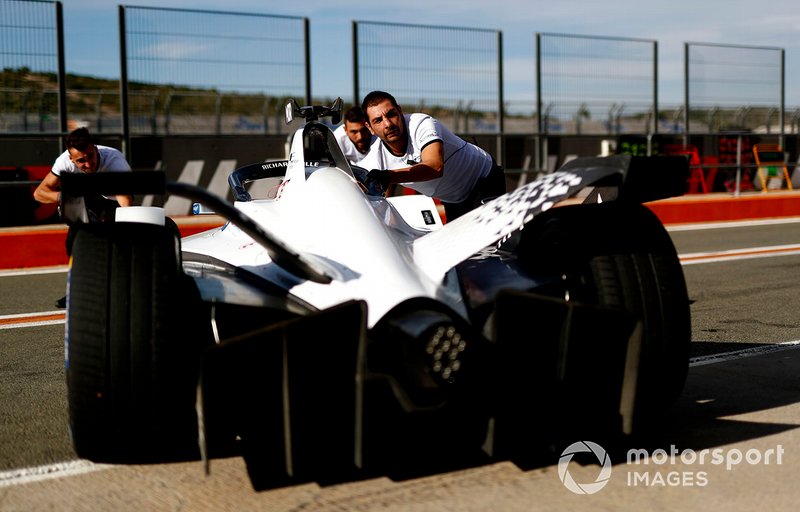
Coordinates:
x,y
31,62
596,85
208,72
733,88
212,73
452,73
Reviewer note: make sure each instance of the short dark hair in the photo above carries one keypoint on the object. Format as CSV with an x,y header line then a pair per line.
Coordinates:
x,y
355,115
78,139
376,97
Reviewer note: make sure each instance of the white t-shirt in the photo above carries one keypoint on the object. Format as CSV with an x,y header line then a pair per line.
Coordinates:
x,y
110,159
349,149
464,163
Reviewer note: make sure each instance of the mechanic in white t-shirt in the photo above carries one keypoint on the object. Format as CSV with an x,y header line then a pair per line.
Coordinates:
x,y
353,135
418,152
84,156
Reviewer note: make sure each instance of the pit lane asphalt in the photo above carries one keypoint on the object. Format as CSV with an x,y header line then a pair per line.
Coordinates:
x,y
740,405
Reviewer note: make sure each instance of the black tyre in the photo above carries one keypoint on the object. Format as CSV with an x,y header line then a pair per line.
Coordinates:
x,y
620,255
133,354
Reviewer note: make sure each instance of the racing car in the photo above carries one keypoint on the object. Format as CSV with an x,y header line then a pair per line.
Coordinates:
x,y
327,329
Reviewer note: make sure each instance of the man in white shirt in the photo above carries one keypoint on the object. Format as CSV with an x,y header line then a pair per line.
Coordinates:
x,y
353,136
84,156
419,152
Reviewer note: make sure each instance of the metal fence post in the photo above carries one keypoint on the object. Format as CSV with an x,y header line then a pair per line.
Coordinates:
x,y
738,165
540,123
218,113
307,37
98,108
500,102
356,91
123,86
655,88
62,73
782,114
686,105
167,113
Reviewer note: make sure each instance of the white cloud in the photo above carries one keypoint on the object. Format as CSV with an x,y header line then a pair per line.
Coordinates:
x,y
172,51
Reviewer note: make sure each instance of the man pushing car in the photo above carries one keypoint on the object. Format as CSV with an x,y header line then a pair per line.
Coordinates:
x,y
419,152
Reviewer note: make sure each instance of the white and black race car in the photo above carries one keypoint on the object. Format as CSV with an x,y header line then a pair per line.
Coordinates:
x,y
326,329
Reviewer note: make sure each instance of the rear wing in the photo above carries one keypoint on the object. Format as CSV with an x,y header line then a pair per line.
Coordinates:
x,y
583,180
643,179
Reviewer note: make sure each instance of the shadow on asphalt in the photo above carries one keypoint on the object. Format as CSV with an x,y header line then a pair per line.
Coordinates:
x,y
703,417
706,348
705,414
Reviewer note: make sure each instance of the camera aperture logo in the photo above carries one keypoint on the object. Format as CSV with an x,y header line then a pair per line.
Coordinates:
x,y
602,458
661,467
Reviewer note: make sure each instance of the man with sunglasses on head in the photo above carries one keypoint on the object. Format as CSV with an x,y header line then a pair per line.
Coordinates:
x,y
84,156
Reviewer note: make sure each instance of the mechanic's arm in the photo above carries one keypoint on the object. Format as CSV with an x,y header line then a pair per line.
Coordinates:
x,y
124,200
48,189
430,168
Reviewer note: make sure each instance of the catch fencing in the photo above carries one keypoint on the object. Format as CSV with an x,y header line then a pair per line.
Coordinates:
x,y
730,88
596,85
213,74
210,72
452,73
31,45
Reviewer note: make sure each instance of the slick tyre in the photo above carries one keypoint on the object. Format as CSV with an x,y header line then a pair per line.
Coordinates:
x,y
132,357
620,256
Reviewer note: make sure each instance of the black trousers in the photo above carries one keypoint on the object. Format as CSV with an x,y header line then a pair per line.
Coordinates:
x,y
486,188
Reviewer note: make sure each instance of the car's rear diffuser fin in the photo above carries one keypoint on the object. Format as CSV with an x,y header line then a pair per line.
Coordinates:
x,y
291,396
564,369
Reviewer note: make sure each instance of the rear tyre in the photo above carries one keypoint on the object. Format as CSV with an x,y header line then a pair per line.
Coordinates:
x,y
133,355
619,255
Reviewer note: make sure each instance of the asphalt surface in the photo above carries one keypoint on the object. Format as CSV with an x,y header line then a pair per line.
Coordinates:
x,y
731,442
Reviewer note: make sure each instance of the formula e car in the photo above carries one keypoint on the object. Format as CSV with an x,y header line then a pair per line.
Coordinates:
x,y
327,329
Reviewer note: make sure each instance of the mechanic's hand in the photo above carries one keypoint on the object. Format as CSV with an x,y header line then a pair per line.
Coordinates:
x,y
377,182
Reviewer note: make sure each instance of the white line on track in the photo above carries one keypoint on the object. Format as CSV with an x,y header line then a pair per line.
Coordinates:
x,y
34,271
746,352
739,254
30,315
49,471
699,226
32,319
32,324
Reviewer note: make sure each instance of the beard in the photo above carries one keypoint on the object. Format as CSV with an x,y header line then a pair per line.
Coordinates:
x,y
393,134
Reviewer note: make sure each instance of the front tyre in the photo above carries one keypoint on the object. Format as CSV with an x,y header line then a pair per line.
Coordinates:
x,y
133,355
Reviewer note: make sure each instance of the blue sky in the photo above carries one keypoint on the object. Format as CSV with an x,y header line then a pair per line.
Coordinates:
x,y
92,40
